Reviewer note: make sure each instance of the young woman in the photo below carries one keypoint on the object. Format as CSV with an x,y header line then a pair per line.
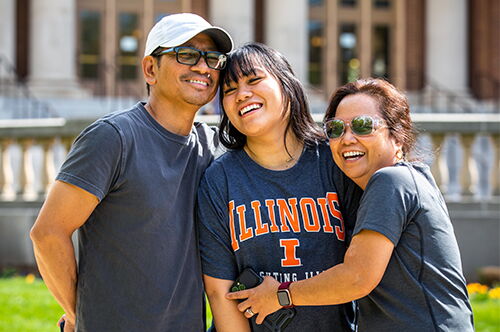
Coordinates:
x,y
275,202
403,263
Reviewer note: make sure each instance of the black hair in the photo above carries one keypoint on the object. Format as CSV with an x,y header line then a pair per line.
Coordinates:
x,y
242,62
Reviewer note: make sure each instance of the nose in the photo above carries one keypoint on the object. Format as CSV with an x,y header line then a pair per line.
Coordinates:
x,y
242,94
348,137
201,66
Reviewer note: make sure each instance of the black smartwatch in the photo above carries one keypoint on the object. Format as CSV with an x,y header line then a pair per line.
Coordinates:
x,y
284,296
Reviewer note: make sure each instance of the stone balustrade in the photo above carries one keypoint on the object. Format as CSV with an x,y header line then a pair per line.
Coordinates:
x,y
32,150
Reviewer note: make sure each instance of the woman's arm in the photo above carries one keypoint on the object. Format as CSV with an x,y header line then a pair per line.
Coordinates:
x,y
225,312
364,265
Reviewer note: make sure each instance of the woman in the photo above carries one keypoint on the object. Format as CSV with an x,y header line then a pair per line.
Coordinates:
x,y
403,263
275,202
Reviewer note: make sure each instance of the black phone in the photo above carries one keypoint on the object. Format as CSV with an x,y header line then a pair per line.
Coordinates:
x,y
61,326
247,279
275,322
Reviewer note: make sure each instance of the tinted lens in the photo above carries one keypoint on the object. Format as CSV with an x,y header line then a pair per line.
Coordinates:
x,y
188,56
334,128
362,125
216,60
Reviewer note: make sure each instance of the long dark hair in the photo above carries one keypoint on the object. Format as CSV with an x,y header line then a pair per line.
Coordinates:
x,y
242,62
392,103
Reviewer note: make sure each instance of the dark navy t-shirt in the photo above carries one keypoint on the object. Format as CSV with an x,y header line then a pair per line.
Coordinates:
x,y
290,224
423,287
139,267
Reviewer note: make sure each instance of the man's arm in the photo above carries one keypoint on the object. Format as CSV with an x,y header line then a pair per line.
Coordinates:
x,y
66,208
225,312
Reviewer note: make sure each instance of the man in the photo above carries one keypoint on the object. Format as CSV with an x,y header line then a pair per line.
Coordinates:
x,y
129,186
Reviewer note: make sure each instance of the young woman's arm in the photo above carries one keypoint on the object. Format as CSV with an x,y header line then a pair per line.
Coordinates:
x,y
364,265
225,312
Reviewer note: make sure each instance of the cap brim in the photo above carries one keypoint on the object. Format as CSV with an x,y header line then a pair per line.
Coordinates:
x,y
220,37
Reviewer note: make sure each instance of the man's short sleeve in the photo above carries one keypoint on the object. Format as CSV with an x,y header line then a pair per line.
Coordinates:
x,y
217,255
93,163
386,203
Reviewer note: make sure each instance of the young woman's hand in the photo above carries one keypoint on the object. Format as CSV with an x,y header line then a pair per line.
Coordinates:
x,y
261,300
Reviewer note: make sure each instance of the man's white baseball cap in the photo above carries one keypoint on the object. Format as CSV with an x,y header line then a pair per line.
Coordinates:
x,y
176,29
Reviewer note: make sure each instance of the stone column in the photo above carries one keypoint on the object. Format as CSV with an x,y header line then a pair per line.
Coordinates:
x,y
286,31
365,38
239,23
53,49
400,45
7,33
446,49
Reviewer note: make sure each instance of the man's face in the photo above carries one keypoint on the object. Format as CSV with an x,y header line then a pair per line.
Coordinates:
x,y
187,84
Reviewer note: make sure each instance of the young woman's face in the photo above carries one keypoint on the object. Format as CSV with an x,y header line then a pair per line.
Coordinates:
x,y
359,156
254,104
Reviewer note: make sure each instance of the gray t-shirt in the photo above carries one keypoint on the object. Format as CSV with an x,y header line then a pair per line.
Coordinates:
x,y
290,224
139,267
423,288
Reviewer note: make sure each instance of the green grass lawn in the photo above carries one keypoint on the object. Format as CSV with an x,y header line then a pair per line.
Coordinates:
x,y
28,307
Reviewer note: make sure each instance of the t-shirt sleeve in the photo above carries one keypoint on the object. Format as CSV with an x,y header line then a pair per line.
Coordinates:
x,y
93,163
217,255
388,200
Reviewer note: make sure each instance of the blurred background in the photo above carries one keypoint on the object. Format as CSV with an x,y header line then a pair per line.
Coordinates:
x,y
64,63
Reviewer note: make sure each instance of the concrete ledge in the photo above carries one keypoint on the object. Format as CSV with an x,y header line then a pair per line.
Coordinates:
x,y
477,227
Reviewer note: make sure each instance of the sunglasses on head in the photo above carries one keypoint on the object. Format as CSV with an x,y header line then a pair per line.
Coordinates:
x,y
361,125
190,56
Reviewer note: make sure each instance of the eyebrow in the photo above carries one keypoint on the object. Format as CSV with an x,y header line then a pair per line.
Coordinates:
x,y
210,48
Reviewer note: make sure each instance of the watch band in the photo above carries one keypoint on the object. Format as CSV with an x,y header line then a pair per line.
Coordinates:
x,y
284,296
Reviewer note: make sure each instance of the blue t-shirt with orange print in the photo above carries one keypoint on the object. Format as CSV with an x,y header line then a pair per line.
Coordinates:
x,y
290,224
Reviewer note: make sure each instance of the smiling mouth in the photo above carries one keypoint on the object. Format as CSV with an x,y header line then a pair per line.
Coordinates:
x,y
352,155
250,108
198,82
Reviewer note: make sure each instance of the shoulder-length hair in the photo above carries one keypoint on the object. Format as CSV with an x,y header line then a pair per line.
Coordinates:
x,y
242,62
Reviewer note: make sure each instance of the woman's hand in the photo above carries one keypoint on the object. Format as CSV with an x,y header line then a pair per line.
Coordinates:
x,y
262,300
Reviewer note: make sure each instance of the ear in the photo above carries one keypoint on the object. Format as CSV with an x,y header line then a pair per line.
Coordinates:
x,y
149,69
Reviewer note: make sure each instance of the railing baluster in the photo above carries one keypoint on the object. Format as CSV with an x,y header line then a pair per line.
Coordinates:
x,y
495,172
439,167
28,190
468,174
7,192
48,167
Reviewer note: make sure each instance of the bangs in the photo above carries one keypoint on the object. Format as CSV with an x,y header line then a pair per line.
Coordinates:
x,y
241,63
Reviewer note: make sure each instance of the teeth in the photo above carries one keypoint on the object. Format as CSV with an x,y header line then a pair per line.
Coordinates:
x,y
199,82
351,154
249,108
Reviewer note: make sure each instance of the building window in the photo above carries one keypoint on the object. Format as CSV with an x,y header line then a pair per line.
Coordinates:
x,y
90,47
349,63
348,3
381,51
381,4
128,45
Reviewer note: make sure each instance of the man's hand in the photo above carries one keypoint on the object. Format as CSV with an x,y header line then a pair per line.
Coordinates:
x,y
262,300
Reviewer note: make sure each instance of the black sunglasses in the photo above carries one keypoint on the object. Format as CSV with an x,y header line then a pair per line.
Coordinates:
x,y
361,125
190,56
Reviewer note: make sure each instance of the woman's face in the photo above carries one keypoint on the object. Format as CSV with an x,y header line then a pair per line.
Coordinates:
x,y
254,104
359,156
